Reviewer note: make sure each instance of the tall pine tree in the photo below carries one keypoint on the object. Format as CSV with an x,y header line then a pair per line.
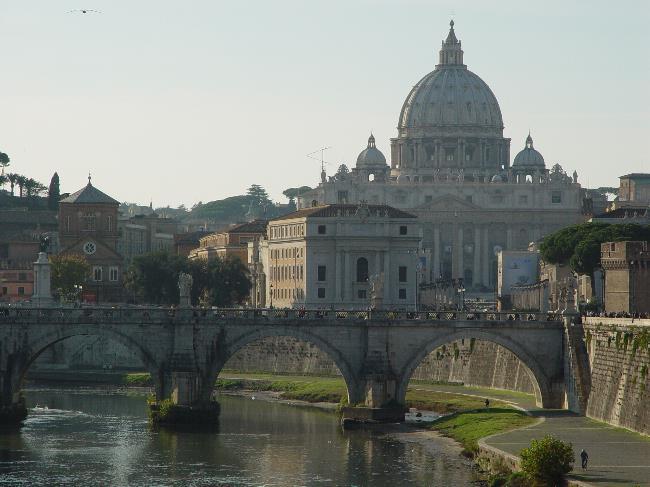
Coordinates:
x,y
54,194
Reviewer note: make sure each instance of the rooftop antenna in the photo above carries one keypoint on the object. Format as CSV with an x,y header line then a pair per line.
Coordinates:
x,y
322,161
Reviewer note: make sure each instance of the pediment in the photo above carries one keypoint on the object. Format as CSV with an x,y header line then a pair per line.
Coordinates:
x,y
448,203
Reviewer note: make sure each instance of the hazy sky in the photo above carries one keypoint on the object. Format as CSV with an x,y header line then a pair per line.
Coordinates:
x,y
181,101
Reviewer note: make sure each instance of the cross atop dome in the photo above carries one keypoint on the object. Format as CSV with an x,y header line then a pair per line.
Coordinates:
x,y
451,52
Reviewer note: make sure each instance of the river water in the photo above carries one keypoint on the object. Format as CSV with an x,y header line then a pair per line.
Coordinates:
x,y
101,437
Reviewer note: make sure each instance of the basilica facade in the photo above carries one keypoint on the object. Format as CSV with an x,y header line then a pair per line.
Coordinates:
x,y
450,166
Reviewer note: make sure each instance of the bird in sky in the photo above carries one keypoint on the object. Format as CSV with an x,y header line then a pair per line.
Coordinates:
x,y
85,11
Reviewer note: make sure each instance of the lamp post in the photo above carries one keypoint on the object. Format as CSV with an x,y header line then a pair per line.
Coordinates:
x,y
271,293
461,295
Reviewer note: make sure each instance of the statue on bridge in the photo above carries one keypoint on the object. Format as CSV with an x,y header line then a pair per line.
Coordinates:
x,y
184,289
376,290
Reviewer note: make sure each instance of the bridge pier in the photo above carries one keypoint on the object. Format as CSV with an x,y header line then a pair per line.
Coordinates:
x,y
12,403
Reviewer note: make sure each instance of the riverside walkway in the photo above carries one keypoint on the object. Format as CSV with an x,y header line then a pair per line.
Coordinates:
x,y
617,457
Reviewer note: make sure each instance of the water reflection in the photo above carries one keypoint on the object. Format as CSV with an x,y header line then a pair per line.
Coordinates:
x,y
99,437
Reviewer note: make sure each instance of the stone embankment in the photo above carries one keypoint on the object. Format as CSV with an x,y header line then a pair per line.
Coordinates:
x,y
619,359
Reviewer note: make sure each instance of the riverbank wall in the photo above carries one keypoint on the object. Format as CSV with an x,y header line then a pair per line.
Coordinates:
x,y
619,361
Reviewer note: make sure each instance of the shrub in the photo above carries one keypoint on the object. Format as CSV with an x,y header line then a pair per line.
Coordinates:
x,y
547,460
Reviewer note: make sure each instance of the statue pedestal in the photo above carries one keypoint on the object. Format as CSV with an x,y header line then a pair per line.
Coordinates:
x,y
42,296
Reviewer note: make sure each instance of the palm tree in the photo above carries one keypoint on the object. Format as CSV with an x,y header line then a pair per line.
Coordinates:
x,y
20,181
4,161
29,186
3,180
13,179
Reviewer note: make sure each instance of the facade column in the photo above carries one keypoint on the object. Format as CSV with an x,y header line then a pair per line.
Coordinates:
x,y
377,262
436,252
486,255
476,273
454,250
387,285
461,253
339,276
347,278
509,238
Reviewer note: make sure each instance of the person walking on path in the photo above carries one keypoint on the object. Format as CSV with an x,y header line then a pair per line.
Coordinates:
x,y
584,456
487,403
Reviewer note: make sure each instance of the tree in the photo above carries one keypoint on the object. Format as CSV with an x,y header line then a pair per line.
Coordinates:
x,y
69,272
547,461
13,180
579,245
21,181
154,277
53,193
4,161
3,180
293,193
258,194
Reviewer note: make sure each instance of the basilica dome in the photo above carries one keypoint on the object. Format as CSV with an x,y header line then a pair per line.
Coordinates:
x,y
371,156
451,96
528,156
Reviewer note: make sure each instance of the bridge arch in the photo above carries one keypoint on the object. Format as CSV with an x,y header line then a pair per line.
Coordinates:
x,y
229,347
539,379
36,347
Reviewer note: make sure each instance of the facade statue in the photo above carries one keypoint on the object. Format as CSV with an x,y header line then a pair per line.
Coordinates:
x,y
461,175
376,282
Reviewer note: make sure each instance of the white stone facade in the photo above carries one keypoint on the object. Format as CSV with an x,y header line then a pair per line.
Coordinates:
x,y
341,256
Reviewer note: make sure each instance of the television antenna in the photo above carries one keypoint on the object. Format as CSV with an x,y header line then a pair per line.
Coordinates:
x,y
322,150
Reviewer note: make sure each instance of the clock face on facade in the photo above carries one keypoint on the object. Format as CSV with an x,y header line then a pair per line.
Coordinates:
x,y
90,248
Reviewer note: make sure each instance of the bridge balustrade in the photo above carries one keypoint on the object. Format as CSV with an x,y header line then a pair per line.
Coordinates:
x,y
157,315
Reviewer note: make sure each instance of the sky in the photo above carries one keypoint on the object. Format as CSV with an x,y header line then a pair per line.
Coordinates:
x,y
178,102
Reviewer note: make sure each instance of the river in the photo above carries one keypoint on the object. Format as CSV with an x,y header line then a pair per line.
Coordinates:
x,y
101,437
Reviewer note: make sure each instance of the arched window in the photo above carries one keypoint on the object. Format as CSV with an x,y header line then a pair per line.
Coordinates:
x,y
362,269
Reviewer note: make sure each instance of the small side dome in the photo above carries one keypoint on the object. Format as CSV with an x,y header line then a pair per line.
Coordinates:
x,y
528,156
371,156
497,178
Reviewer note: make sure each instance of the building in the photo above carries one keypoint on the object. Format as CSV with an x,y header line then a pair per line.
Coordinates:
x,y
450,167
88,226
627,276
232,242
142,234
343,256
17,259
185,242
634,190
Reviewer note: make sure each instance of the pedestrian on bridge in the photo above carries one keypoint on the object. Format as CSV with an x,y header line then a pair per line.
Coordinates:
x,y
487,403
584,456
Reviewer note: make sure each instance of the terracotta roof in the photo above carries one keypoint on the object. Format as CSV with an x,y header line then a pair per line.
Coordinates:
x,y
331,211
255,226
89,194
634,175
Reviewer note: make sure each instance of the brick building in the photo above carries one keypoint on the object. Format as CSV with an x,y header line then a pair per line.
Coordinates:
x,y
88,227
627,276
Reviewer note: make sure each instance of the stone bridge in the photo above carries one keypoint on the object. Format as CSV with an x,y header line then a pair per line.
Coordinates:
x,y
376,351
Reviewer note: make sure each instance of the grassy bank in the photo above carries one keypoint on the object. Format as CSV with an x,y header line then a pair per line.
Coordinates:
x,y
470,426
331,389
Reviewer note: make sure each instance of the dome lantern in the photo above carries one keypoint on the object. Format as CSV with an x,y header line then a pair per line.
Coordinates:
x,y
451,52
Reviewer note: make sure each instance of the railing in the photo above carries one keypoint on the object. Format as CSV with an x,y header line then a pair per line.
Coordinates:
x,y
160,315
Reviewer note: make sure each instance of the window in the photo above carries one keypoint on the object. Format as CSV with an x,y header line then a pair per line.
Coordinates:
x,y
4,291
21,291
322,229
88,221
109,223
112,274
322,273
402,273
556,197
403,230
449,154
97,273
362,269
67,223
469,198
428,198
22,276
321,292
402,293
361,294
523,199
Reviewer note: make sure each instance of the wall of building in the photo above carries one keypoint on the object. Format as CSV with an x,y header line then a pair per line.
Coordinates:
x,y
619,357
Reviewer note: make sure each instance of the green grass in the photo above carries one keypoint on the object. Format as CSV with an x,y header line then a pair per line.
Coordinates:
x,y
444,402
140,379
470,426
310,390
